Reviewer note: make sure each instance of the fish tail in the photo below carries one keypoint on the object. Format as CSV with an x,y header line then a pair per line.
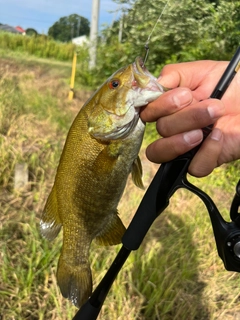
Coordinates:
x,y
75,281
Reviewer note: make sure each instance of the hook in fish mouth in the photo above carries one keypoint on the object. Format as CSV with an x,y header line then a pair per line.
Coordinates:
x,y
139,66
140,71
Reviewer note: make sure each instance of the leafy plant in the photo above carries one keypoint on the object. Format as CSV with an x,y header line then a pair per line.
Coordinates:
x,y
188,30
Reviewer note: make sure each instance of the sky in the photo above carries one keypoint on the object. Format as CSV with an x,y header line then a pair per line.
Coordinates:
x,y
42,14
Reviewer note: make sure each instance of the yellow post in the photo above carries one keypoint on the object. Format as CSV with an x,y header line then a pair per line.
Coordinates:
x,y
71,92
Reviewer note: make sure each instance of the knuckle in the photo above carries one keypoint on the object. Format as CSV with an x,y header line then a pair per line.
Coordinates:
x,y
163,127
200,117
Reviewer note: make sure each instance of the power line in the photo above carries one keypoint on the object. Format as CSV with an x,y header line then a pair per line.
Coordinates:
x,y
7,16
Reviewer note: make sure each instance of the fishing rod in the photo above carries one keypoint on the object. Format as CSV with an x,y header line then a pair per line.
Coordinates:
x,y
171,176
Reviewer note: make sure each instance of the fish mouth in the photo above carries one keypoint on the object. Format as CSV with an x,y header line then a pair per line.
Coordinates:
x,y
139,66
145,87
144,78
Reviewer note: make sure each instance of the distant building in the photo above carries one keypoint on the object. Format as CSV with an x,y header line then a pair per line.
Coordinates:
x,y
7,28
79,41
21,30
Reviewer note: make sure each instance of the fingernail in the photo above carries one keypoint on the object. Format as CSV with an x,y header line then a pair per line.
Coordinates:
x,y
193,137
182,98
215,111
216,134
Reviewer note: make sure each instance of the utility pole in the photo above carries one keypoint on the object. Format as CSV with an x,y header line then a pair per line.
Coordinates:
x,y
120,29
78,27
72,30
94,33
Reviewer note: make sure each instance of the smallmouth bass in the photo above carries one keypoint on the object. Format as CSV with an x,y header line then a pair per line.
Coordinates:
x,y
100,151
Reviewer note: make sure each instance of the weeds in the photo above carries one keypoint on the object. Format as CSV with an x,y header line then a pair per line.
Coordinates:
x,y
40,46
175,274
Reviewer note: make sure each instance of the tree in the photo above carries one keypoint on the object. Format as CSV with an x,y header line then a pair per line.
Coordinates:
x,y
69,27
188,30
31,32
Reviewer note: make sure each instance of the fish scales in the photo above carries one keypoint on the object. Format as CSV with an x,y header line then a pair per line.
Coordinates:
x,y
100,151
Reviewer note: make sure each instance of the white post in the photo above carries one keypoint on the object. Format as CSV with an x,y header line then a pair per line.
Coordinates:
x,y
94,33
21,177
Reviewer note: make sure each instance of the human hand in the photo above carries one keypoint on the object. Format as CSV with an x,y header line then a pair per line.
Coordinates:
x,y
181,113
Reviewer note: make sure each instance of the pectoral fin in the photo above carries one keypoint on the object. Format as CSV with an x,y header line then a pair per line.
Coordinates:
x,y
113,232
137,173
50,223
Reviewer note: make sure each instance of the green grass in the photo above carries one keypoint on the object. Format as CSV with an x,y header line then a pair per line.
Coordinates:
x,y
175,274
41,46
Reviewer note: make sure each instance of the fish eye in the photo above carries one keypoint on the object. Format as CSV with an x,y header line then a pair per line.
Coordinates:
x,y
113,84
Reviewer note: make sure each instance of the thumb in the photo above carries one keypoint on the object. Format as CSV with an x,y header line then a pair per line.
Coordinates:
x,y
169,79
189,74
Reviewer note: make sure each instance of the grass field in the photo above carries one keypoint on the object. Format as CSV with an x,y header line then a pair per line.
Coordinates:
x,y
175,275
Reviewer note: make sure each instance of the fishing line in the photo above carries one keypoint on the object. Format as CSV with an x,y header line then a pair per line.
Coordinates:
x,y
146,46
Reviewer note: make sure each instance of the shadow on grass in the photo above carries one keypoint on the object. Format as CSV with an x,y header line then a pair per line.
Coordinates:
x,y
166,272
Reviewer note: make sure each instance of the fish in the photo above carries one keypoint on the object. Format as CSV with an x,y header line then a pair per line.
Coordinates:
x,y
100,152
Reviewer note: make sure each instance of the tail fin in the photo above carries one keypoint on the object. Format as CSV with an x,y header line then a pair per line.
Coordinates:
x,y
75,282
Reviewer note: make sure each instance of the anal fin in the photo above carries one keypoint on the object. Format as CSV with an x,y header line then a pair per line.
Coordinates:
x,y
113,232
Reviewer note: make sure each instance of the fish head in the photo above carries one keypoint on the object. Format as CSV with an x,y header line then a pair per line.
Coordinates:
x,y
116,105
